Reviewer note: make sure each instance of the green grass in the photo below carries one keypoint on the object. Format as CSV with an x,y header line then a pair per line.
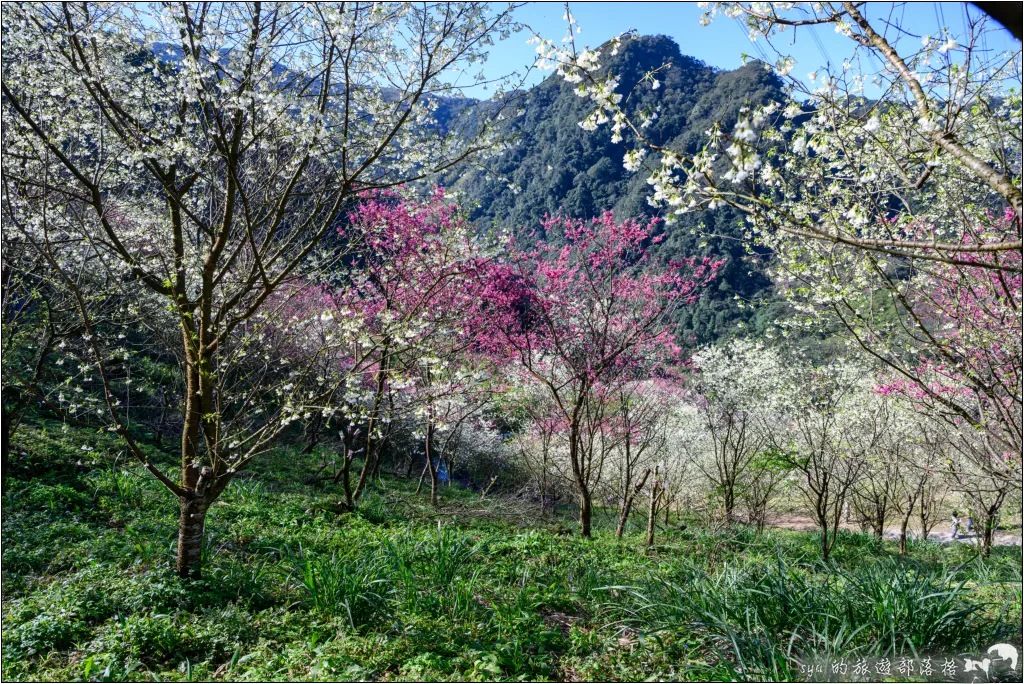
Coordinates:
x,y
294,589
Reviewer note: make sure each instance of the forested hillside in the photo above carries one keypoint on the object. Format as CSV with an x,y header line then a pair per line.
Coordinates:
x,y
557,166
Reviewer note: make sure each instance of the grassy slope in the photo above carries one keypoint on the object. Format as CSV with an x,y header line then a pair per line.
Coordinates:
x,y
473,591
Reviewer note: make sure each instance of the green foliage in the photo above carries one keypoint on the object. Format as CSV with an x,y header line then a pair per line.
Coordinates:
x,y
129,485
773,459
293,589
249,492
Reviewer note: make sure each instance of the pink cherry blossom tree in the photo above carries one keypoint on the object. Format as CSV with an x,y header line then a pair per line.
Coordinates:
x,y
398,315
580,317
962,323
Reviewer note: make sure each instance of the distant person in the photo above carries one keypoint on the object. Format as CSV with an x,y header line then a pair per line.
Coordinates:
x,y
955,523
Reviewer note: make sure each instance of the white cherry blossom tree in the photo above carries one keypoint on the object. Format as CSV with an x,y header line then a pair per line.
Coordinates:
x,y
195,156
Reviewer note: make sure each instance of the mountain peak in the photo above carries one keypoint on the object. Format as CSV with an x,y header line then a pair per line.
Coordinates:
x,y
559,168
639,54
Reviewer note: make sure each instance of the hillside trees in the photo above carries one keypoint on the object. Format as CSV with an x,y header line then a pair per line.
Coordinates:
x,y
202,173
558,167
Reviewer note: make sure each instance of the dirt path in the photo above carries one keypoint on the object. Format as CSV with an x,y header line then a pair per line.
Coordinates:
x,y
941,533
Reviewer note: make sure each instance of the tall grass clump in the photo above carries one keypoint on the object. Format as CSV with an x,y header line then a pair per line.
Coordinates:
x,y
400,553
126,485
518,602
763,619
448,554
913,607
357,588
249,492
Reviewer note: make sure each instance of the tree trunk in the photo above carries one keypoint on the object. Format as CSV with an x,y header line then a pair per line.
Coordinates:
x,y
412,463
544,481
364,472
344,475
627,504
346,481
652,512
823,525
903,533
193,420
192,507
586,512
431,470
907,514
423,474
729,501
586,505
378,460
191,524
925,517
990,523
988,536
203,488
378,397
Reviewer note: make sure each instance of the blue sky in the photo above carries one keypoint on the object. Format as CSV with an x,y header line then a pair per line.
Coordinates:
x,y
723,42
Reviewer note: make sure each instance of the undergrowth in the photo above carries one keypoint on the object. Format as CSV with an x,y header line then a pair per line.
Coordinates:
x,y
294,587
